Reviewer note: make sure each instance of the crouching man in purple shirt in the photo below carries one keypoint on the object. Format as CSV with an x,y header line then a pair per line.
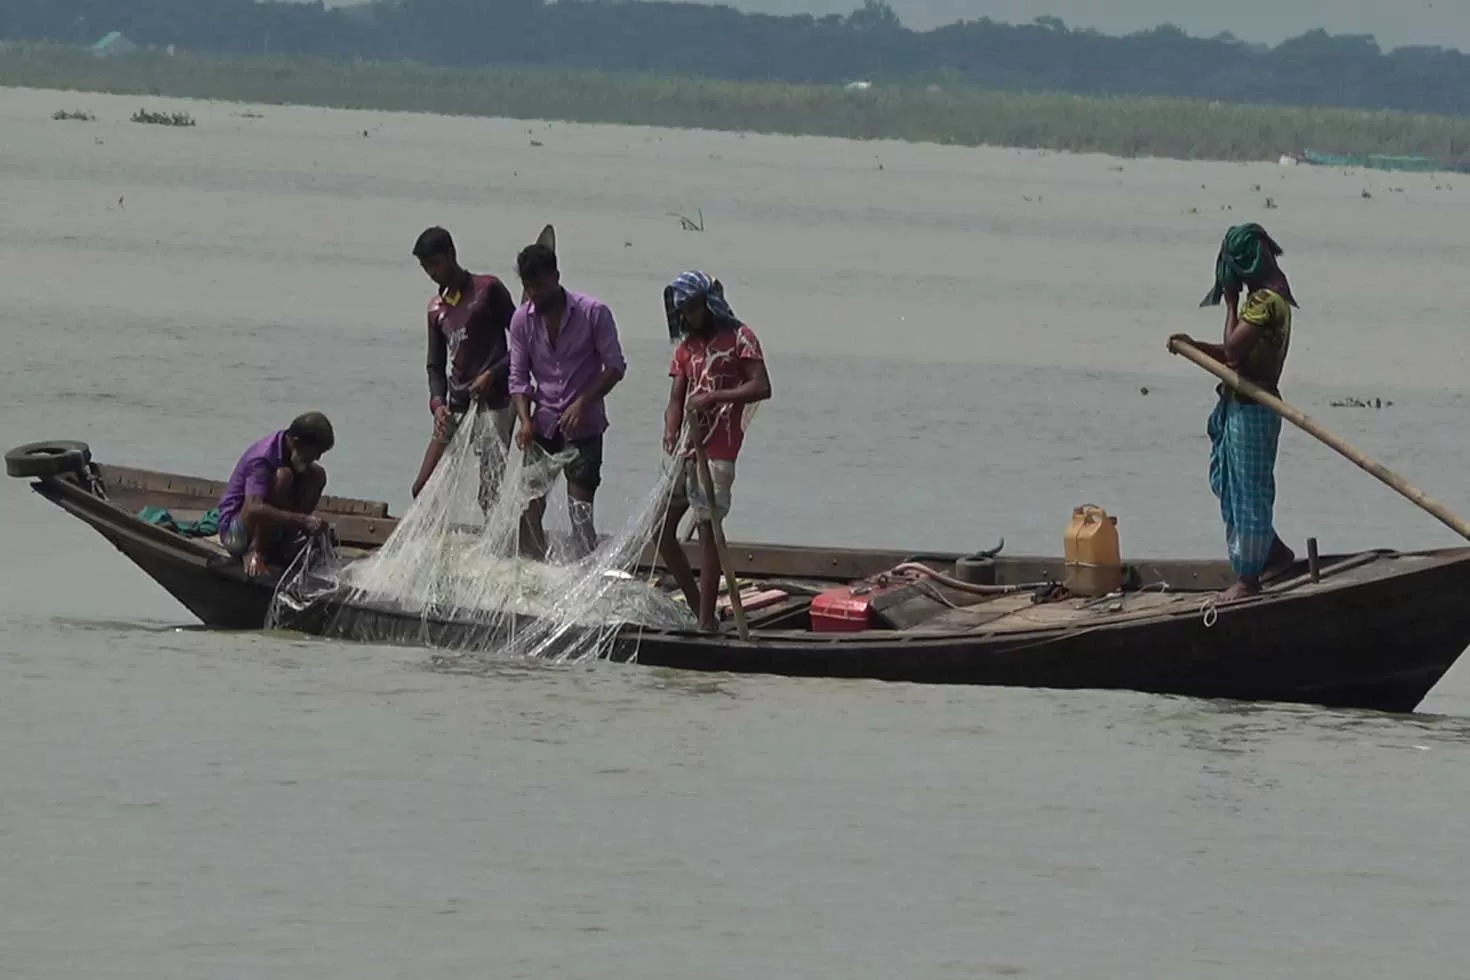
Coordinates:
x,y
564,359
269,500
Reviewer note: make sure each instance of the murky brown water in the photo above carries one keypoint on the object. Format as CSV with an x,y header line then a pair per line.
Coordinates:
x,y
958,343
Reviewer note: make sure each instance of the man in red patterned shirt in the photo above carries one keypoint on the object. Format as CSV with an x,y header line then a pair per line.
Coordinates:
x,y
469,359
720,375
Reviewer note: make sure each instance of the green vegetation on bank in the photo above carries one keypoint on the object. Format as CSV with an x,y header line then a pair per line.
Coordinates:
x,y
1121,126
711,40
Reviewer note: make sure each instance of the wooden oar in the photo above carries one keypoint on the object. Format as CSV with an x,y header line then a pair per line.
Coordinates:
x,y
717,528
1299,419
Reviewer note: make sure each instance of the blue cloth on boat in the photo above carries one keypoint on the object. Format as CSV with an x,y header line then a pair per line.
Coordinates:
x,y
207,526
695,284
1243,441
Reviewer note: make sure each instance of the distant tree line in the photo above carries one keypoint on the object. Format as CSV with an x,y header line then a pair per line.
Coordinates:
x,y
682,39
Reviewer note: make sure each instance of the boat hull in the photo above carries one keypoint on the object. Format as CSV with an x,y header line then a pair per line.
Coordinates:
x,y
1381,643
217,592
1315,650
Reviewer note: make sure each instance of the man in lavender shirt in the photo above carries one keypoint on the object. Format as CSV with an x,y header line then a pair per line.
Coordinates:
x,y
267,506
564,359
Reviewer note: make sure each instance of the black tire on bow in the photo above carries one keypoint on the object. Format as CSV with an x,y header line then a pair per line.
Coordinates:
x,y
42,459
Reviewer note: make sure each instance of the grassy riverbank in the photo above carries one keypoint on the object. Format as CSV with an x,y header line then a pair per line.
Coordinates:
x,y
1120,126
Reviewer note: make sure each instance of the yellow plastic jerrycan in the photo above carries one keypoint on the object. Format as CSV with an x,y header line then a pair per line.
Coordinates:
x,y
1094,563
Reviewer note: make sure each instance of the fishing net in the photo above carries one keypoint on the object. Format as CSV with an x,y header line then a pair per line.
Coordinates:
x,y
453,574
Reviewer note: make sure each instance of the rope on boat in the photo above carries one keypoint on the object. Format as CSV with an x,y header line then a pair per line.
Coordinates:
x,y
914,571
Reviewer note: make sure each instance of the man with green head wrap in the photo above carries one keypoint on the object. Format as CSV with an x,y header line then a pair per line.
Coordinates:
x,y
1243,433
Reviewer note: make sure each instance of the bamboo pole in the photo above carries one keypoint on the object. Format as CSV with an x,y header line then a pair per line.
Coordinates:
x,y
1304,422
717,528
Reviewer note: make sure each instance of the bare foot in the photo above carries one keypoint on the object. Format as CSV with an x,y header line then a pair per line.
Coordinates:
x,y
1280,556
1240,590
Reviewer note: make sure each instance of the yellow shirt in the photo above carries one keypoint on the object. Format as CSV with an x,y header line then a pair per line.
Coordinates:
x,y
1268,310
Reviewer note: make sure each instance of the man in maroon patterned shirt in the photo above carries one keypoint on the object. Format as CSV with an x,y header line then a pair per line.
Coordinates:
x,y
468,359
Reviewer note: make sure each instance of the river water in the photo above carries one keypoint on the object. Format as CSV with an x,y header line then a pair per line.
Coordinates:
x,y
964,344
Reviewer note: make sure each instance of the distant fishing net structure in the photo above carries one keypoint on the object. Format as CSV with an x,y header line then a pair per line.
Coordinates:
x,y
451,575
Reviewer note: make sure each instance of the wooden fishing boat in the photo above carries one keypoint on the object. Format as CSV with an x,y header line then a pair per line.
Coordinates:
x,y
1371,630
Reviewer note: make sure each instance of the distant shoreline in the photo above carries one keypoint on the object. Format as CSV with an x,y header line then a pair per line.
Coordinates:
x,y
1124,127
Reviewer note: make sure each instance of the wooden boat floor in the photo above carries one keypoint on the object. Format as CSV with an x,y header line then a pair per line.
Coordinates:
x,y
1016,613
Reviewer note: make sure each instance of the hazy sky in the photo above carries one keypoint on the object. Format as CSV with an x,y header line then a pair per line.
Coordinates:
x,y
1393,22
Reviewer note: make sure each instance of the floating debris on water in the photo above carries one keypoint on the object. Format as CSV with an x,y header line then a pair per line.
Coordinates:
x,y
163,118
687,224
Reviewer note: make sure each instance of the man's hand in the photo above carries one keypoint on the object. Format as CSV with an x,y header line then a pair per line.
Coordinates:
x,y
525,435
1181,338
255,565
314,524
671,441
443,420
571,419
702,401
480,387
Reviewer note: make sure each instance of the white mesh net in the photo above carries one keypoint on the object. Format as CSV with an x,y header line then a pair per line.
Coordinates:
x,y
452,573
